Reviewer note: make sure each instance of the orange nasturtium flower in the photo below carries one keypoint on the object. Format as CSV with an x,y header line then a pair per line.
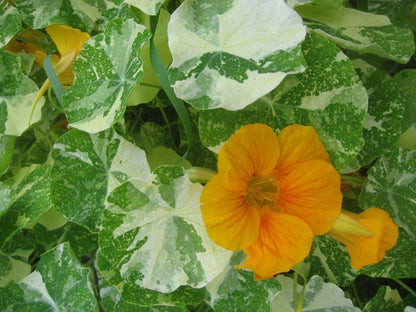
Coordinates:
x,y
367,235
270,196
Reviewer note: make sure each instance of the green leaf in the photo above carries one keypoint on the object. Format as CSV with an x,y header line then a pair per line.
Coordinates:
x,y
29,198
59,283
134,295
236,290
328,96
360,31
150,85
233,59
150,7
153,233
87,167
399,262
397,11
76,13
7,143
106,70
391,186
12,269
319,296
10,23
386,299
17,93
382,124
406,80
330,260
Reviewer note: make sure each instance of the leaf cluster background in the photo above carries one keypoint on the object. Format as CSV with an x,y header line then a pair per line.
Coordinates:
x,y
98,207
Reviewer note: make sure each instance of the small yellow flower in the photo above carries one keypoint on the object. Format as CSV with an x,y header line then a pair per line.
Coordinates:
x,y
270,196
367,235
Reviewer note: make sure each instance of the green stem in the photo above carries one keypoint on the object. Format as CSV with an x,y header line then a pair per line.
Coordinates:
x,y
347,179
300,302
411,291
38,44
354,289
52,101
295,288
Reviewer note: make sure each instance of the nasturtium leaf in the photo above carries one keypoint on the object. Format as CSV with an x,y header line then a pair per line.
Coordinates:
x,y
399,262
335,4
59,283
360,31
134,295
223,56
236,290
406,80
106,70
29,198
319,296
386,299
150,85
86,167
328,96
391,185
151,135
161,155
150,7
153,233
10,23
17,93
409,309
7,143
82,241
382,124
399,12
12,269
76,13
330,260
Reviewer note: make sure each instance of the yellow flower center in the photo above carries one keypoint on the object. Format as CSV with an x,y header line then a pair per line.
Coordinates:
x,y
261,192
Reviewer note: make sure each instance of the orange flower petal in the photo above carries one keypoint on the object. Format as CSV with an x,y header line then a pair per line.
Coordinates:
x,y
312,192
298,144
67,39
229,221
283,241
365,250
252,151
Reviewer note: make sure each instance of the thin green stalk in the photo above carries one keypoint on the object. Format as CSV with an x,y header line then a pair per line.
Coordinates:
x,y
53,78
299,305
410,290
346,179
52,101
295,288
354,289
36,43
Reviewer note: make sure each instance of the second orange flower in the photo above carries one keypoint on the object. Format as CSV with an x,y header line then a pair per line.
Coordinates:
x,y
271,195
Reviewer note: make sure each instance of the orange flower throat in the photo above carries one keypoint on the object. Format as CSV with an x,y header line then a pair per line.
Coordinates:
x,y
261,192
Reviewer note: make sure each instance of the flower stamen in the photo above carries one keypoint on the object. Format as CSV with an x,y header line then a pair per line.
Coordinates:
x,y
261,192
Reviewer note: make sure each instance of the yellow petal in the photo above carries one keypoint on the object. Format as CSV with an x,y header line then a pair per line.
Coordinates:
x,y
298,144
365,250
283,241
312,192
252,151
229,221
67,39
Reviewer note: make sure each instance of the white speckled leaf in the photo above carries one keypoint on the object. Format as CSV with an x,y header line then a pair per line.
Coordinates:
x,y
10,23
222,55
76,13
86,167
335,4
319,296
29,198
383,122
138,297
399,12
330,260
406,80
17,93
391,185
150,7
328,96
236,290
386,299
153,233
106,70
360,31
59,283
